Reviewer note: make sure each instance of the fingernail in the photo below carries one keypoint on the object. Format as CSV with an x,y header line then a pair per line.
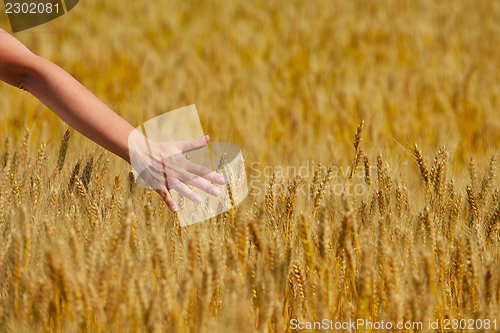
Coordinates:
x,y
215,191
222,180
204,138
197,198
173,208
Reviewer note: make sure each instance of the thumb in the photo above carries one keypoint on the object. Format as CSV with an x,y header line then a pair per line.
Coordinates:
x,y
190,145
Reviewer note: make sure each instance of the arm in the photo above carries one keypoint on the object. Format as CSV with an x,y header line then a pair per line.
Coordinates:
x,y
64,95
83,111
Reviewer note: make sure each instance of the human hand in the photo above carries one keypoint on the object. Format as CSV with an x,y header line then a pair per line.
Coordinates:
x,y
163,166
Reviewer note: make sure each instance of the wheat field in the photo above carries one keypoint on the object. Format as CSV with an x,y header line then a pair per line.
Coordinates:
x,y
397,98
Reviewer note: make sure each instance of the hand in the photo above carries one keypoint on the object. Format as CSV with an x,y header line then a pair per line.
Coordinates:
x,y
163,166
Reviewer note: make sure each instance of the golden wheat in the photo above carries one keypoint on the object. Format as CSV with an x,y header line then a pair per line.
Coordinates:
x,y
84,249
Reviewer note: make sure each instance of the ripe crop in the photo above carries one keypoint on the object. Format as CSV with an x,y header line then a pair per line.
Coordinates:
x,y
403,95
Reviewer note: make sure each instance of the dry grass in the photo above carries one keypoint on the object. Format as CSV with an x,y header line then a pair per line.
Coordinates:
x,y
83,249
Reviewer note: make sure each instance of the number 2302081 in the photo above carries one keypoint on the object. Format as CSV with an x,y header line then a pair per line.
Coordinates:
x,y
31,8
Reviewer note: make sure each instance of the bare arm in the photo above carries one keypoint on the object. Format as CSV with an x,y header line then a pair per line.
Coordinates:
x,y
64,95
83,111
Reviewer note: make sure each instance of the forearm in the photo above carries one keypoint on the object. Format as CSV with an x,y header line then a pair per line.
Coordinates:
x,y
77,106
65,96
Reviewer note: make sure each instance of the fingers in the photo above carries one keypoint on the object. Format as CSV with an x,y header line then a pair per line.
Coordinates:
x,y
185,191
205,173
157,179
167,197
200,183
187,146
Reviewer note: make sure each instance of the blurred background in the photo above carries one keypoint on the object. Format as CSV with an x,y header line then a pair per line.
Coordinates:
x,y
287,81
